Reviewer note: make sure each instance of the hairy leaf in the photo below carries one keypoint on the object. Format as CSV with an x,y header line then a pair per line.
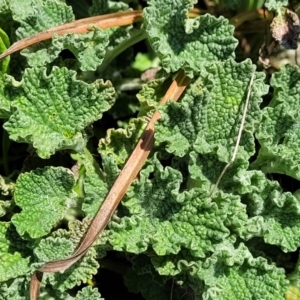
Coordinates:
x,y
186,43
275,4
88,293
44,196
14,257
279,131
51,111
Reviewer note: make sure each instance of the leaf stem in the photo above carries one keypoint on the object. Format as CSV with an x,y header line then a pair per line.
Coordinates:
x,y
250,15
136,37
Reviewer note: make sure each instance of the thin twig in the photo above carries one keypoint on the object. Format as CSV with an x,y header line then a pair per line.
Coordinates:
x,y
238,137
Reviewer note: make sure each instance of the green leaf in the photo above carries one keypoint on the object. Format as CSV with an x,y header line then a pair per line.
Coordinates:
x,y
93,186
208,117
120,143
14,257
88,293
167,220
6,186
80,272
275,215
100,7
89,49
4,66
275,4
77,274
20,9
151,94
5,207
53,110
228,273
18,289
44,196
54,248
279,131
142,62
186,43
234,274
293,291
41,15
144,279
60,245
5,102
4,44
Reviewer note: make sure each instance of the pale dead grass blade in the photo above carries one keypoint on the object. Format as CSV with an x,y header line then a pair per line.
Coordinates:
x,y
79,26
115,195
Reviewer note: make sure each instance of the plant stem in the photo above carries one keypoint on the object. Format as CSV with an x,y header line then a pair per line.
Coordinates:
x,y
136,37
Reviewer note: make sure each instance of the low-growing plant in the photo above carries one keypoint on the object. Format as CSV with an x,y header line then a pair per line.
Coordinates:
x,y
159,140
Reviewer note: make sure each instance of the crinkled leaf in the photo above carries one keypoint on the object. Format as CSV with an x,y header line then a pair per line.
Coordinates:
x,y
92,183
3,6
275,4
168,220
61,244
121,142
5,207
5,103
88,293
20,9
54,248
110,168
143,278
77,274
119,37
186,43
235,274
100,7
118,34
6,186
53,110
14,257
208,117
151,94
44,196
279,131
228,273
275,215
89,49
44,15
18,289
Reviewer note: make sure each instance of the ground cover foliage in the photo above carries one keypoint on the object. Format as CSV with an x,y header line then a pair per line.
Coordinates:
x,y
72,109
